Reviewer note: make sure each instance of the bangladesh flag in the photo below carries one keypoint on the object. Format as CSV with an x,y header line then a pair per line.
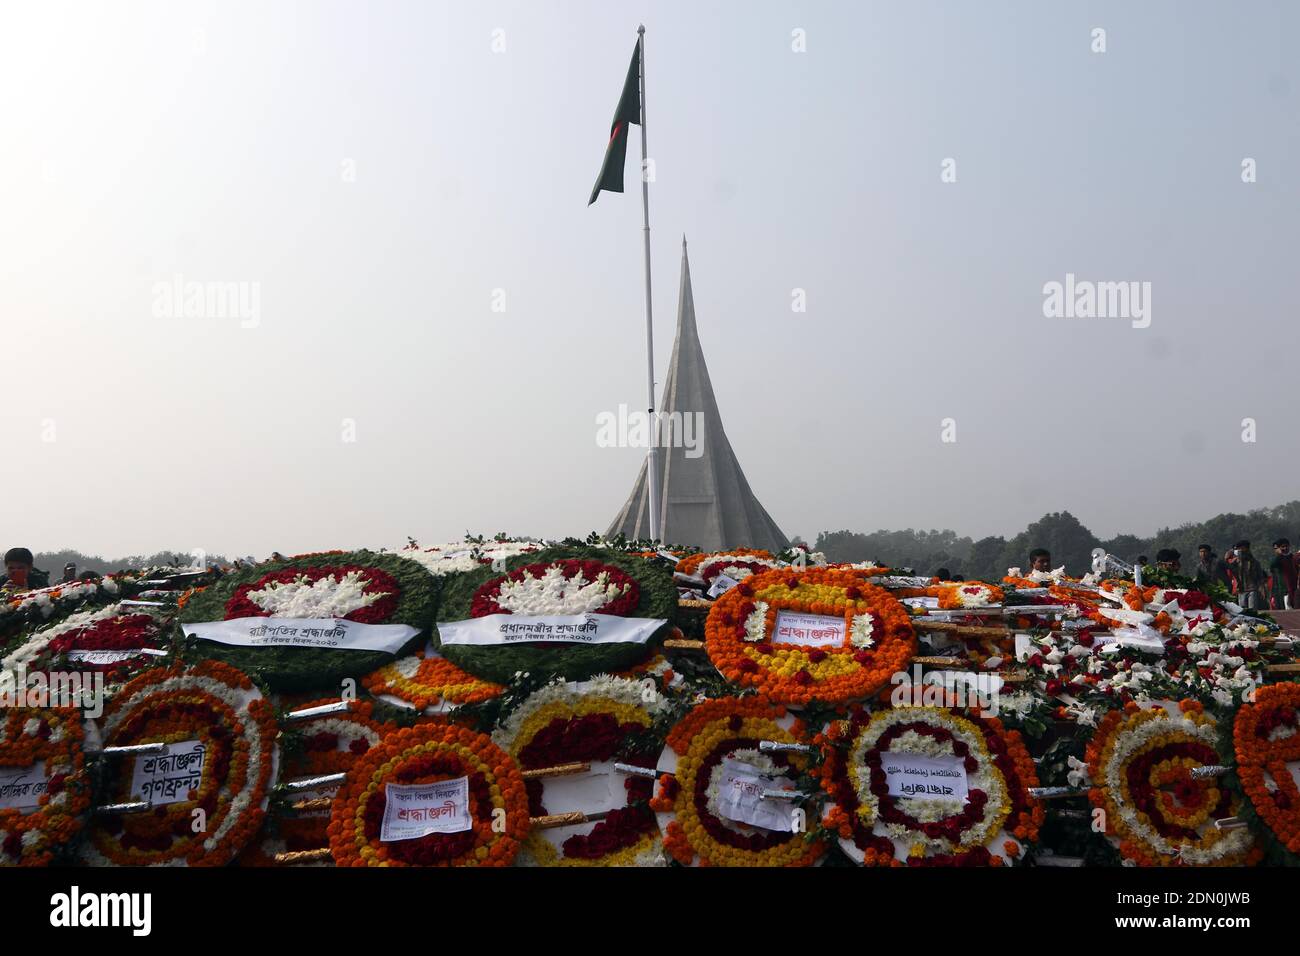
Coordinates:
x,y
628,111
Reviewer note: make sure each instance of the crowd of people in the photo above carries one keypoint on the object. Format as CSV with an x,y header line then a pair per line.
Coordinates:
x,y
1252,585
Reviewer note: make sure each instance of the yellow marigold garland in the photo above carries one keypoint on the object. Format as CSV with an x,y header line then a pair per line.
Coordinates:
x,y
695,747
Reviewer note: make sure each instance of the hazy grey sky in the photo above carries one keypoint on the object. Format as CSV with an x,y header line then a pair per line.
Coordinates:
x,y
378,171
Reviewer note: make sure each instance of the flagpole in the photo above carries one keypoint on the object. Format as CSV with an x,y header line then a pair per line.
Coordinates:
x,y
652,460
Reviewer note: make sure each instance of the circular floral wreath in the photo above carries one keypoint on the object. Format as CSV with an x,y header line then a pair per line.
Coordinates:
x,y
692,562
742,640
558,581
429,683
109,628
224,710
875,828
330,743
686,795
54,738
587,723
428,753
1140,764
1265,738
359,586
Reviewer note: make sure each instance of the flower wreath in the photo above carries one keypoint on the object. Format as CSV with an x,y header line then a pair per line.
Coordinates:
x,y
959,595
224,710
1265,738
113,631
1140,764
330,743
465,555
557,581
589,722
741,636
875,828
359,586
429,683
686,794
734,567
425,754
691,564
53,737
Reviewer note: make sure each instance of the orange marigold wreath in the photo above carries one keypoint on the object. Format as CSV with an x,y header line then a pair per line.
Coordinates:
x,y
744,642
429,753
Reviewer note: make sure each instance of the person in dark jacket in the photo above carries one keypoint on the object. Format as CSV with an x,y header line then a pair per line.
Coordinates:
x,y
19,574
1248,578
1210,569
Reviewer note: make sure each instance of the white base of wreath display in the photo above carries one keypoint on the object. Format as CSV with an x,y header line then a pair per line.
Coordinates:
x,y
587,723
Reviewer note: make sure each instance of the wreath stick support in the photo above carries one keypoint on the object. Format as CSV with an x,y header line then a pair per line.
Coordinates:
x,y
319,803
303,856
136,806
1056,793
1283,668
307,713
969,630
129,750
776,746
312,783
560,770
565,819
684,645
1209,770
648,772
1230,823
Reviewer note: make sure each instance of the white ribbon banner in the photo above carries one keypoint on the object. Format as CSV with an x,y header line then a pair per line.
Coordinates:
x,y
911,775
740,796
563,628
113,657
335,634
808,630
169,778
21,788
415,810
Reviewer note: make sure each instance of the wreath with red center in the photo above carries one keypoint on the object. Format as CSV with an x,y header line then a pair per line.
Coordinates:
x,y
744,641
377,581
127,632
216,705
594,723
625,586
1140,762
993,825
713,731
35,835
1265,737
430,753
403,593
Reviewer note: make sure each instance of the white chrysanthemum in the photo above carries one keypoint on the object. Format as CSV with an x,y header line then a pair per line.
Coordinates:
x,y
756,623
326,597
553,593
